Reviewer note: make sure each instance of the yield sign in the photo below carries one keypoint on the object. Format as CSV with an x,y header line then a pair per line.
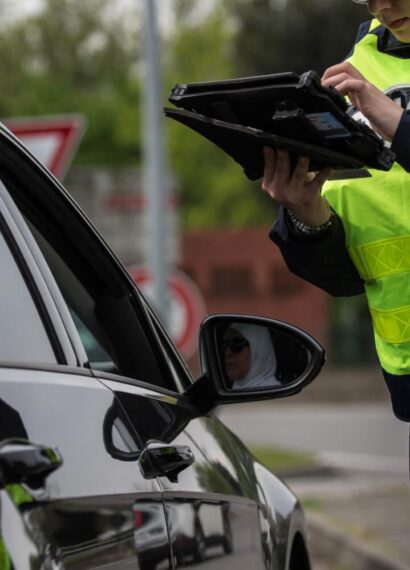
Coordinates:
x,y
53,140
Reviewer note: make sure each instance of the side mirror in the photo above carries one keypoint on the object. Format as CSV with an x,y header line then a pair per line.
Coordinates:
x,y
245,358
22,461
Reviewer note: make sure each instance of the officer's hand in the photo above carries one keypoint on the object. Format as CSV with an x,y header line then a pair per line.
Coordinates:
x,y
382,112
297,189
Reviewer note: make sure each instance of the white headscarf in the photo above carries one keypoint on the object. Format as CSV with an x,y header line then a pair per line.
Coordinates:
x,y
263,359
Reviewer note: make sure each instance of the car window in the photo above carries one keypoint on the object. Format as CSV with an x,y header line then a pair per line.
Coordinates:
x,y
23,337
114,335
82,303
104,304
93,348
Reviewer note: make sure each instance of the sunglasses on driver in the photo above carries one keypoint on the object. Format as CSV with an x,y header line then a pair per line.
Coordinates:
x,y
235,345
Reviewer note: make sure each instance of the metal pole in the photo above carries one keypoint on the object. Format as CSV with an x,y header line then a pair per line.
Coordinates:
x,y
154,164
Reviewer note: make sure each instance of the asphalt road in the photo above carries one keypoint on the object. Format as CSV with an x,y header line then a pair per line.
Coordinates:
x,y
358,436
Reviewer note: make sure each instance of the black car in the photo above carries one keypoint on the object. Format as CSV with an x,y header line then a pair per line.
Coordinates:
x,y
110,453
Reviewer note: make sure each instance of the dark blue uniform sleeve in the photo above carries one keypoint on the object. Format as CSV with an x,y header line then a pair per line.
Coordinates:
x,y
322,260
401,142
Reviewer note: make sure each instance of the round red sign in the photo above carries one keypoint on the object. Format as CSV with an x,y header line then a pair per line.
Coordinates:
x,y
187,307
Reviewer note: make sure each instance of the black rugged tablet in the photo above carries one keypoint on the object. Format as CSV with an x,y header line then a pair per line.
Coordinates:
x,y
284,110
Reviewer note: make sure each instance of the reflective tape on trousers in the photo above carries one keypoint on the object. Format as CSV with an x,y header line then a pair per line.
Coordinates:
x,y
393,326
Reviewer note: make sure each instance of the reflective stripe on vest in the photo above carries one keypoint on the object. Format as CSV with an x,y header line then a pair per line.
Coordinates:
x,y
382,258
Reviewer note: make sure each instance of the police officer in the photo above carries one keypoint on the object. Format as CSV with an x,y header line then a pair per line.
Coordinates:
x,y
352,236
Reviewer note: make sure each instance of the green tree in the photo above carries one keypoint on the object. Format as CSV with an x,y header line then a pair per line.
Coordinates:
x,y
75,56
292,35
213,189
319,34
83,57
259,31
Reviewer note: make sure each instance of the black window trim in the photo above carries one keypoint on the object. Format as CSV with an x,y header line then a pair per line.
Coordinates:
x,y
158,329
115,381
44,367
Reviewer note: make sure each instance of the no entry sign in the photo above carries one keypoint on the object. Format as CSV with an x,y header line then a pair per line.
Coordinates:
x,y
53,140
187,307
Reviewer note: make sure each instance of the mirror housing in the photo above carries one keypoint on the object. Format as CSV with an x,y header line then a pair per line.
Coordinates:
x,y
22,461
297,360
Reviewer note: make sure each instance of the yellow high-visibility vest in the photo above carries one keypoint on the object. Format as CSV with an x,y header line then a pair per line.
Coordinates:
x,y
376,217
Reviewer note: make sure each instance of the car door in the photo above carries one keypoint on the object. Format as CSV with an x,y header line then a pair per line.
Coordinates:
x,y
83,515
212,506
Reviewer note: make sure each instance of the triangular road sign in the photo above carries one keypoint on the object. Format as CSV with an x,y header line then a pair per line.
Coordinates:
x,y
53,139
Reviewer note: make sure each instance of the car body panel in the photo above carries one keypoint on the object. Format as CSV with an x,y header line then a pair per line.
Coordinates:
x,y
84,514
224,478
99,509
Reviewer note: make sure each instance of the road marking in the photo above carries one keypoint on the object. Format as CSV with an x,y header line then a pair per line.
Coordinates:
x,y
364,461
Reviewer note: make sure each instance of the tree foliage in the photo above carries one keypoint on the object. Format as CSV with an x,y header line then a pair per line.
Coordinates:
x,y
238,38
76,56
213,188
292,35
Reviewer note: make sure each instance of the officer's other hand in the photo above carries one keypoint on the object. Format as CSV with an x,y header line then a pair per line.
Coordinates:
x,y
382,112
297,189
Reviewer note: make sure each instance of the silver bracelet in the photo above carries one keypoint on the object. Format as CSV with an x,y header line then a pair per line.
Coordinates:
x,y
304,229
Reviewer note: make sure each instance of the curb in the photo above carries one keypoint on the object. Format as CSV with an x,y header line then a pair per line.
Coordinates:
x,y
331,545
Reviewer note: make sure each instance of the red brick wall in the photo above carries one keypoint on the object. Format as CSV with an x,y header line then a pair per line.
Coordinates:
x,y
242,271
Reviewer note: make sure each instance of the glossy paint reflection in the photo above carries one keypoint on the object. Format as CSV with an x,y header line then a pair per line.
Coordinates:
x,y
151,536
212,509
11,424
234,471
17,546
83,516
153,417
199,530
83,528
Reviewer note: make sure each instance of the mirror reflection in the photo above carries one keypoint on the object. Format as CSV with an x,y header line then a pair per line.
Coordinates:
x,y
254,356
249,357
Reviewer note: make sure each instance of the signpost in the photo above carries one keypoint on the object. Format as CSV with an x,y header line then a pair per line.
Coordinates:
x,y
53,140
154,160
187,307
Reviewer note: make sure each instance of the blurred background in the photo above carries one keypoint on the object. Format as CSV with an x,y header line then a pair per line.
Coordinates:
x,y
63,57
88,60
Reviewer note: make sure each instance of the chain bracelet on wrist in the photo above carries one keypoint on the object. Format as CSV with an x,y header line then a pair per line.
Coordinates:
x,y
303,228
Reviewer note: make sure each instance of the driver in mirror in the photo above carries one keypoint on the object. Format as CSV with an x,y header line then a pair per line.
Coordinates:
x,y
249,357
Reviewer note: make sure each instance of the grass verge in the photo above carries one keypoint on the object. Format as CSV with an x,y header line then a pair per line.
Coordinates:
x,y
283,460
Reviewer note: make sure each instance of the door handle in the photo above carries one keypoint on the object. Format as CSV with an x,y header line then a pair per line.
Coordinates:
x,y
160,459
24,462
